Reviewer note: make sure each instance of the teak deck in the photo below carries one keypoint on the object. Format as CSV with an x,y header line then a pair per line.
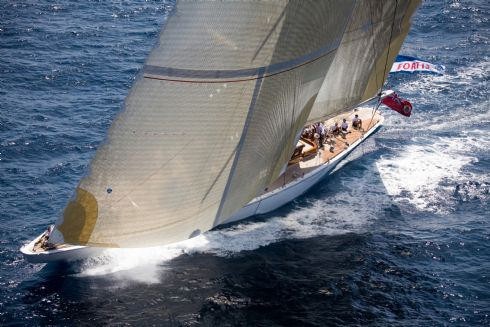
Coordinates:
x,y
324,155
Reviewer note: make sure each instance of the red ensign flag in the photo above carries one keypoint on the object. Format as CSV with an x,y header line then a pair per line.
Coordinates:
x,y
398,104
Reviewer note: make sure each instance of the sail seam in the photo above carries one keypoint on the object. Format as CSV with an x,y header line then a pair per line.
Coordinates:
x,y
172,74
251,110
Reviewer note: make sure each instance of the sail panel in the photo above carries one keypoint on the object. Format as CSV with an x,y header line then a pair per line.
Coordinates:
x,y
229,81
279,113
235,35
388,55
357,72
163,171
228,35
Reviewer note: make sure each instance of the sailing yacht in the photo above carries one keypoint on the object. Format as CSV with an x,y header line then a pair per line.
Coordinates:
x,y
211,131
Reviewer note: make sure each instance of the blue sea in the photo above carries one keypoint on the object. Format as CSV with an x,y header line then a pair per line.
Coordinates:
x,y
399,235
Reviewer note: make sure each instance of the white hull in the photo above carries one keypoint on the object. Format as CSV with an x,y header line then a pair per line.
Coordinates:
x,y
260,205
272,200
66,253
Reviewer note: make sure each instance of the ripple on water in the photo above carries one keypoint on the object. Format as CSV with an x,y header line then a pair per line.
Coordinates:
x,y
398,235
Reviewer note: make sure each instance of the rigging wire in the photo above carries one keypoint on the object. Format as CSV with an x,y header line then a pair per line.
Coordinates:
x,y
372,42
376,107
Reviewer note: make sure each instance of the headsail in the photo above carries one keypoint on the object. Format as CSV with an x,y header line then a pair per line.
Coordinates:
x,y
210,122
370,44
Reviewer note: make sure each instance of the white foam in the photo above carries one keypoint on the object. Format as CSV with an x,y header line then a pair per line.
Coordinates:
x,y
416,173
469,74
147,260
425,87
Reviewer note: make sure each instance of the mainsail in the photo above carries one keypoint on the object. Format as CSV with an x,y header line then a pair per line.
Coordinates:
x,y
214,116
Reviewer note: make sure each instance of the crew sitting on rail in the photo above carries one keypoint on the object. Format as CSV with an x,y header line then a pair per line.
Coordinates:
x,y
335,129
344,127
357,122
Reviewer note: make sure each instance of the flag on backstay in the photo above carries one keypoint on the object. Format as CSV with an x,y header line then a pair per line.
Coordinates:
x,y
413,65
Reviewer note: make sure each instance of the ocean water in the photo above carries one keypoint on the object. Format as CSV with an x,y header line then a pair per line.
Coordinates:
x,y
399,235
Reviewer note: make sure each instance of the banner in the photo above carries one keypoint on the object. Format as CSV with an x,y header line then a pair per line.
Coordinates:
x,y
412,65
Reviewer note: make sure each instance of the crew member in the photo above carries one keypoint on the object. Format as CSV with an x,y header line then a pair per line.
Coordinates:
x,y
356,122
